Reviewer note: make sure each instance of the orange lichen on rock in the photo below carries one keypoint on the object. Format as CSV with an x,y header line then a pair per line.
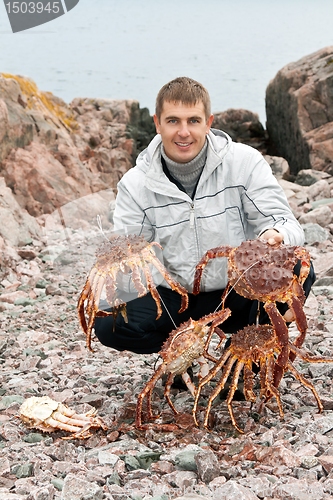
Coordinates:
x,y
52,107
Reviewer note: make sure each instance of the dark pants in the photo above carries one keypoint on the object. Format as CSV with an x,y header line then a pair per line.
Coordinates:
x,y
144,334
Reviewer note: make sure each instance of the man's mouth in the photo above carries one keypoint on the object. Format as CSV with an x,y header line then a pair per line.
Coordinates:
x,y
183,144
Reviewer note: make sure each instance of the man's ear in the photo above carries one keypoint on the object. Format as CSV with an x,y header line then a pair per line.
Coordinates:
x,y
209,123
157,124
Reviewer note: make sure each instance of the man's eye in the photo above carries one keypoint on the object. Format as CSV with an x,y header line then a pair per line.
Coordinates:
x,y
172,121
194,121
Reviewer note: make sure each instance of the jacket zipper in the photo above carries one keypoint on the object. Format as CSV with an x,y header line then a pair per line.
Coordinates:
x,y
192,216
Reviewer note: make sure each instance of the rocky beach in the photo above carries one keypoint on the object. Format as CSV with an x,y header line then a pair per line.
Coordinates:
x,y
59,168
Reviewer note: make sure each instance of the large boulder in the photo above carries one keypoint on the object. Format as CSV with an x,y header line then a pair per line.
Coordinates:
x,y
243,126
299,108
16,225
52,153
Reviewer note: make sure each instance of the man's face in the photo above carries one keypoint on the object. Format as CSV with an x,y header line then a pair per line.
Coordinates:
x,y
183,130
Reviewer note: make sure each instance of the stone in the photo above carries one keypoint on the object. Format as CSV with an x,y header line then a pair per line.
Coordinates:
x,y
42,493
260,486
231,489
207,465
309,462
309,176
279,166
107,458
242,126
15,398
146,458
319,190
131,462
300,112
276,455
185,460
314,233
77,488
58,483
322,215
181,479
24,470
326,462
298,490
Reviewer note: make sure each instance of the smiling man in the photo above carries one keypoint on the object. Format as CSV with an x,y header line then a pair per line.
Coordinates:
x,y
191,190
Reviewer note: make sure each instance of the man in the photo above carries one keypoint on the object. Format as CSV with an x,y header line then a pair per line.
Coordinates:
x,y
191,190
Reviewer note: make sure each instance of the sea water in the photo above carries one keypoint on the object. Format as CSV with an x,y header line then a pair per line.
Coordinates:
x,y
128,49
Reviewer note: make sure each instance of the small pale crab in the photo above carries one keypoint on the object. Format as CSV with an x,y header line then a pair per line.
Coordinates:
x,y
47,415
258,345
128,255
183,346
264,272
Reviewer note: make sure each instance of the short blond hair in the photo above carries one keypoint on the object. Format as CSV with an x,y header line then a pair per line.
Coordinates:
x,y
184,90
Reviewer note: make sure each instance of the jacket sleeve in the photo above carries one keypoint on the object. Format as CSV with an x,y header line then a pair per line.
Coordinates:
x,y
265,204
129,216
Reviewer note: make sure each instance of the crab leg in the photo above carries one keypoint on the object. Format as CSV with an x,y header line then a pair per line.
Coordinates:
x,y
167,392
282,334
248,384
172,282
307,383
187,379
137,281
59,424
152,288
296,306
232,390
222,251
147,390
271,386
213,328
208,377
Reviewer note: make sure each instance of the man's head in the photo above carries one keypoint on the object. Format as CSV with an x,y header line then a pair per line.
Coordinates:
x,y
183,118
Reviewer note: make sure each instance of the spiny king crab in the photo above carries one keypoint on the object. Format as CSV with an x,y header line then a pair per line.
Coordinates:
x,y
259,345
260,271
123,254
183,346
48,415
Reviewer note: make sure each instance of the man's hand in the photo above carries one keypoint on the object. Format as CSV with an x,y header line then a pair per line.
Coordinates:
x,y
272,236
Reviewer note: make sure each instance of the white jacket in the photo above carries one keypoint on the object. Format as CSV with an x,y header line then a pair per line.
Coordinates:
x,y
237,198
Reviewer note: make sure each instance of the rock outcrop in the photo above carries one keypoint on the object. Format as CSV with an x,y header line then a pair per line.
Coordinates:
x,y
52,153
243,126
299,107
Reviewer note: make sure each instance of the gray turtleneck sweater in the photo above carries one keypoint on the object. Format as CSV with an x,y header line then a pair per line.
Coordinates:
x,y
187,174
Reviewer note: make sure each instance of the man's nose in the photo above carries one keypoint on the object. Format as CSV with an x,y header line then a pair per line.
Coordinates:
x,y
183,131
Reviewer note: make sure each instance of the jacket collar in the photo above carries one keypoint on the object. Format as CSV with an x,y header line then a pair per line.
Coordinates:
x,y
218,145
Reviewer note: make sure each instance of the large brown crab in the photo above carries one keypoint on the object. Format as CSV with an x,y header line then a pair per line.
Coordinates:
x,y
124,254
259,345
182,347
48,415
264,272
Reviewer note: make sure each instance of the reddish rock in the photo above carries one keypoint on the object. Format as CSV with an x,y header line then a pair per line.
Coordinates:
x,y
299,111
278,455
